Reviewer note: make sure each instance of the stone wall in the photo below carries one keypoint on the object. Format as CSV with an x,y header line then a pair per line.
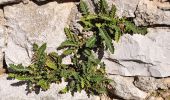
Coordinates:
x,y
143,64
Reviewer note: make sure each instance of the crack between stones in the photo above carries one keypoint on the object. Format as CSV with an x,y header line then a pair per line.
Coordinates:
x,y
137,61
158,25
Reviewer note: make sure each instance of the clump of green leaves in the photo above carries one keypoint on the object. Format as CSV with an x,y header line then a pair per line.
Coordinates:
x,y
106,26
86,70
42,72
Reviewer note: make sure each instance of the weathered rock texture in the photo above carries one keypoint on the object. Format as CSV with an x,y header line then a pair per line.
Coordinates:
x,y
4,2
32,23
135,55
125,7
8,92
151,12
3,37
149,84
142,55
125,89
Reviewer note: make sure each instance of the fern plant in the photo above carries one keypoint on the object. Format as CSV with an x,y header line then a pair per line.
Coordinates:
x,y
86,70
42,72
106,26
89,72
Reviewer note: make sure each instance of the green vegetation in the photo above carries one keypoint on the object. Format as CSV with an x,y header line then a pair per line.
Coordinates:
x,y
44,70
86,71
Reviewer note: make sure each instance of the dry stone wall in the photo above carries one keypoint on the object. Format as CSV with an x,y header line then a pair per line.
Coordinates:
x,y
135,66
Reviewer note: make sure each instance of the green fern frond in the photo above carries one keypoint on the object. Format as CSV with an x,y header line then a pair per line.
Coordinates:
x,y
42,49
107,39
103,7
130,27
84,8
67,43
19,68
91,42
112,12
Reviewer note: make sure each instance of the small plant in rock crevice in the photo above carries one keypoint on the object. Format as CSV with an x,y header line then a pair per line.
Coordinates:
x,y
86,71
44,70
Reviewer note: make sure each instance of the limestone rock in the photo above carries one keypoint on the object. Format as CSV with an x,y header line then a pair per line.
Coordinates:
x,y
166,81
3,38
124,88
30,23
155,98
41,0
149,84
125,7
9,92
151,12
4,2
141,55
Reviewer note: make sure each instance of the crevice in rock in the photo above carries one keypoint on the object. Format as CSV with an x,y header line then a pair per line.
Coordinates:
x,y
115,61
4,64
137,61
158,25
37,2
112,95
47,1
150,26
10,3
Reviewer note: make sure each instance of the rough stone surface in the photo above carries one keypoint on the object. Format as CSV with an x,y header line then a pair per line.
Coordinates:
x,y
32,23
151,12
149,84
124,88
3,37
8,92
155,98
141,55
125,7
4,2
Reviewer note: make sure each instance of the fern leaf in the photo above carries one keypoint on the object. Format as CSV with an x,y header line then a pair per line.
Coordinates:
x,y
101,90
68,52
117,36
19,68
42,49
43,84
24,78
35,47
67,43
103,6
51,64
87,52
75,38
91,42
130,27
70,36
55,57
117,33
78,88
113,11
84,8
87,24
91,17
68,33
82,83
106,18
11,75
107,39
